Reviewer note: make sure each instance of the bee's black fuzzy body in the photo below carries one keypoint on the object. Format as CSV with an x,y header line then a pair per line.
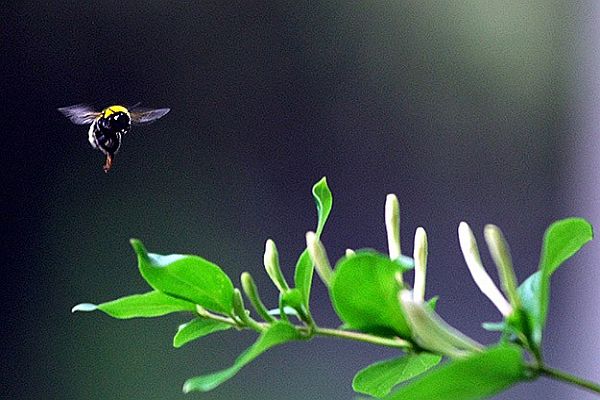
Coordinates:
x,y
106,133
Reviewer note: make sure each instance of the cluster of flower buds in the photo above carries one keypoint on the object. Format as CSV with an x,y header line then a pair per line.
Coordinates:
x,y
429,330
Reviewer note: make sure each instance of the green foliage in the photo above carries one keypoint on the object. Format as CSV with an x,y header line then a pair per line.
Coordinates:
x,y
378,379
375,305
151,304
191,278
196,329
304,266
561,241
324,202
475,377
364,294
278,333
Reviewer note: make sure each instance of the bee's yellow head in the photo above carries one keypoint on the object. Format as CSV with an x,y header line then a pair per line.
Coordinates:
x,y
108,111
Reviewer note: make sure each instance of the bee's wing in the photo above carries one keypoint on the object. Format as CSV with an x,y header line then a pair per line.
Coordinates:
x,y
140,115
80,114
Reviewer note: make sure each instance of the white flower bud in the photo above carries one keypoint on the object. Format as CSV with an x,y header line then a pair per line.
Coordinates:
x,y
432,333
271,262
470,252
317,253
420,257
501,256
392,225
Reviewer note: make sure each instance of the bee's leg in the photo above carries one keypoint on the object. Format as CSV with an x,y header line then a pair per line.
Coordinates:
x,y
108,163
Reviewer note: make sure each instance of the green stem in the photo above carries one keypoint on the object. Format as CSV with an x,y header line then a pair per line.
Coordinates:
x,y
203,313
363,337
314,330
573,380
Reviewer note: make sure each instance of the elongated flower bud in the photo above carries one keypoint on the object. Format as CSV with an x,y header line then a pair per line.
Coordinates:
x,y
317,253
501,256
432,333
470,252
251,291
420,257
271,261
392,225
242,313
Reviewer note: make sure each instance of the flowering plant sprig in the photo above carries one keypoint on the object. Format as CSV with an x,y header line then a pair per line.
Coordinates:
x,y
376,304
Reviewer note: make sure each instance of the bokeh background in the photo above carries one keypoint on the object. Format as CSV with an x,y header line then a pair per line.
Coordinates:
x,y
468,110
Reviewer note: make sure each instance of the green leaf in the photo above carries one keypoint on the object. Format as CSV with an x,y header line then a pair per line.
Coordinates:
x,y
530,294
293,299
197,328
278,333
378,379
303,275
304,267
191,278
432,302
324,201
561,241
151,304
477,376
364,294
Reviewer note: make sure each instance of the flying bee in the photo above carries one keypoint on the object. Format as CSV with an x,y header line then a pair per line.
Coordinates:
x,y
107,127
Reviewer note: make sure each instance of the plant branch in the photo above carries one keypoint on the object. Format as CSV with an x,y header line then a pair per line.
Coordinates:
x,y
573,380
363,337
318,331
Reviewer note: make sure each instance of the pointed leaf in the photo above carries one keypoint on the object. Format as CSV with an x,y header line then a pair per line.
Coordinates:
x,y
477,376
530,292
191,278
561,241
304,266
432,302
324,201
364,294
278,333
292,299
151,304
378,379
197,328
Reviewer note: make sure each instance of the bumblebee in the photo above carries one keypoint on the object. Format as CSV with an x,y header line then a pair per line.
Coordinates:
x,y
107,127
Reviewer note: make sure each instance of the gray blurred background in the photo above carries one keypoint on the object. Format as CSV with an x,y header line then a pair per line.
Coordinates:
x,y
478,111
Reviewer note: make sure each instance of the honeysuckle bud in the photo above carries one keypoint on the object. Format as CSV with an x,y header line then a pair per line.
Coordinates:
x,y
468,245
350,253
392,225
241,312
432,333
501,255
251,291
420,257
317,253
271,261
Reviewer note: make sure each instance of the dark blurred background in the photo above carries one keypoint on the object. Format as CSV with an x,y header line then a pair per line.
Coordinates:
x,y
468,110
